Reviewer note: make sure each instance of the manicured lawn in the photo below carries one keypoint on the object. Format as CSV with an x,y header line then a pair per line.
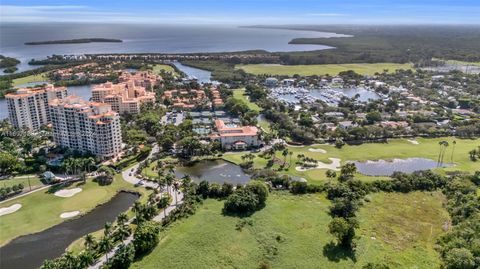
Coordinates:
x,y
396,148
29,79
165,67
34,181
42,210
401,229
240,94
320,69
292,232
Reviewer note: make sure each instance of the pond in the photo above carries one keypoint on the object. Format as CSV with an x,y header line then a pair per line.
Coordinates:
x,y
219,171
29,251
387,168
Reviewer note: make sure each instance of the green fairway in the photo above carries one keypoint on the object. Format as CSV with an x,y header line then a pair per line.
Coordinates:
x,y
291,232
320,69
395,148
165,67
30,79
33,179
41,210
240,94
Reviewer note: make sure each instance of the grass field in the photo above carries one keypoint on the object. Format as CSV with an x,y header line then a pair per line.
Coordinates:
x,y
292,232
240,94
320,69
29,79
165,67
34,181
396,148
401,229
42,210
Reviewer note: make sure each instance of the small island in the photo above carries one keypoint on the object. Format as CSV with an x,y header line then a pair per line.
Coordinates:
x,y
76,41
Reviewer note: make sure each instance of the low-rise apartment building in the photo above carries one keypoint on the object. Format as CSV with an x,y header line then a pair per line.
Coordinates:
x,y
28,107
86,126
235,138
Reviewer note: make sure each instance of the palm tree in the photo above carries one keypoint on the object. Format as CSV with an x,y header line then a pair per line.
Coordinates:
x,y
122,219
443,147
85,258
290,162
285,154
105,245
107,229
169,179
175,188
89,241
453,150
70,260
89,162
186,181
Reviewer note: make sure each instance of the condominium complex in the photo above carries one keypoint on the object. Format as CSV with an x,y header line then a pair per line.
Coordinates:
x,y
28,108
235,138
86,126
129,94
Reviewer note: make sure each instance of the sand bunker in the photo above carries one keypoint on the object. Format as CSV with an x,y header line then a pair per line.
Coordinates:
x,y
67,193
10,209
317,150
415,142
71,214
335,165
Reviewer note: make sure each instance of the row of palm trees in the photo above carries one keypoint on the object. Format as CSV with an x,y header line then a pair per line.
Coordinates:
x,y
443,148
72,166
106,243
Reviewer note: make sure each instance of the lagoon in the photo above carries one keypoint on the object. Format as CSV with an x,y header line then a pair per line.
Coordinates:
x,y
388,167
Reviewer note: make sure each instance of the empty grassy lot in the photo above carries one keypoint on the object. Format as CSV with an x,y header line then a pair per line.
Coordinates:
x,y
292,232
320,69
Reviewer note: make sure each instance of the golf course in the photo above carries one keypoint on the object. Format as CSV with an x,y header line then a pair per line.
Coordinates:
x,y
320,69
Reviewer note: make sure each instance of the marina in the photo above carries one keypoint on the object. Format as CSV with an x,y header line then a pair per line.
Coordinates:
x,y
330,95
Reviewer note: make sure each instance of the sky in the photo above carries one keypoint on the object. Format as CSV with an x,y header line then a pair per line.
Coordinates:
x,y
244,12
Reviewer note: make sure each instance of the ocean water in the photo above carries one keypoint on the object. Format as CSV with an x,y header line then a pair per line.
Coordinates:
x,y
145,38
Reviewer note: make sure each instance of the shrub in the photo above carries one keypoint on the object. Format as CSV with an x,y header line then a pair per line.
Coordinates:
x,y
241,201
145,237
123,257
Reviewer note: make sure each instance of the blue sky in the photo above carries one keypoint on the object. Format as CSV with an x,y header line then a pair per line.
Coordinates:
x,y
244,12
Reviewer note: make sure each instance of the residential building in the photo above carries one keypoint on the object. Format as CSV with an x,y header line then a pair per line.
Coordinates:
x,y
235,138
28,107
86,126
124,97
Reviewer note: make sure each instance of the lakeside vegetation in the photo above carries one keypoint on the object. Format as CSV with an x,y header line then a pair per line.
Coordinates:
x,y
320,69
76,41
394,149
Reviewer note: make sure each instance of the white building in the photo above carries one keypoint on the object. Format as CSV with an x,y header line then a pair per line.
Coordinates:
x,y
28,108
86,126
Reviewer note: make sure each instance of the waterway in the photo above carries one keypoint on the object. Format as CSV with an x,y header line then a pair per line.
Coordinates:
x,y
141,38
29,251
388,167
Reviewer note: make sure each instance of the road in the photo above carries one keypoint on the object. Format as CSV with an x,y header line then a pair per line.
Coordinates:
x,y
129,176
